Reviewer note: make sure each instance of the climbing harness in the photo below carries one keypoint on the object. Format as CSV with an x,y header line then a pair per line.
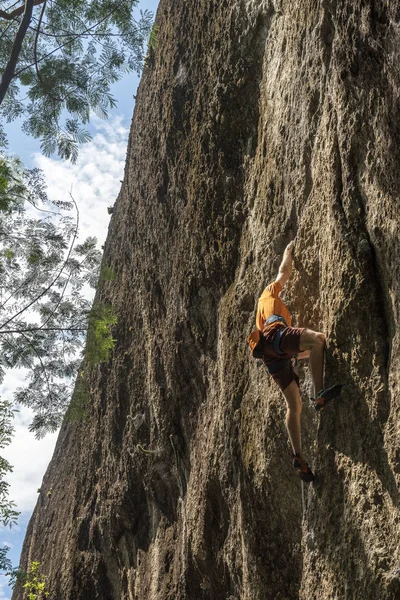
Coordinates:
x,y
275,319
279,333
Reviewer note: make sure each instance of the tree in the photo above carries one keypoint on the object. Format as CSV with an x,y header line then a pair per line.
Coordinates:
x,y
67,53
44,313
8,514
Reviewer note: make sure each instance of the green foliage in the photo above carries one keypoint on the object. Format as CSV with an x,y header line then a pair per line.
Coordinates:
x,y
70,56
77,409
153,39
8,514
5,562
99,341
99,344
43,311
11,184
35,583
4,182
107,274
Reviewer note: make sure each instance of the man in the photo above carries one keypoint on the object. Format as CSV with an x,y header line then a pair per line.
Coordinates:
x,y
276,342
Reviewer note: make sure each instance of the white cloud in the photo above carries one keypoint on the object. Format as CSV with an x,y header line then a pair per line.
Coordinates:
x,y
5,592
29,458
94,180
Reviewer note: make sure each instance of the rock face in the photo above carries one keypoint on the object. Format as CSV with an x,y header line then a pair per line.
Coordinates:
x,y
255,122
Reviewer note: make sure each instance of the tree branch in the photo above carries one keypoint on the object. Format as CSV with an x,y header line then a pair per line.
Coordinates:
x,y
78,35
18,11
58,303
41,364
39,76
16,49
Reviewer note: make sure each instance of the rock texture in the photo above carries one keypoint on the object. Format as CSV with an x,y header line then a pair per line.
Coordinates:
x,y
256,121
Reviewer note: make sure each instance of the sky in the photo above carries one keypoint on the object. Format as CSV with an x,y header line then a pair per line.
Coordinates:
x,y
95,181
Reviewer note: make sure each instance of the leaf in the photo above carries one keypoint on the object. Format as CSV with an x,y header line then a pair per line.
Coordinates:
x,y
27,77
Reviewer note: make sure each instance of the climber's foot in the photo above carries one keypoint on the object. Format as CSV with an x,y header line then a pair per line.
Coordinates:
x,y
325,396
302,469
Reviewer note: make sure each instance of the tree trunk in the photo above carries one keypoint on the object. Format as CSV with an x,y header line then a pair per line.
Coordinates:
x,y
16,49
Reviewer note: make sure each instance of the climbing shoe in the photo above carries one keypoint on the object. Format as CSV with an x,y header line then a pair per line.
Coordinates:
x,y
302,469
325,396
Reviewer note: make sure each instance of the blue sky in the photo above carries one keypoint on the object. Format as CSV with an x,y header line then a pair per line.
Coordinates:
x,y
95,180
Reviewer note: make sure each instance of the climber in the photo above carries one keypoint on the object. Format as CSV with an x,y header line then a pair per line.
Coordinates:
x,y
276,342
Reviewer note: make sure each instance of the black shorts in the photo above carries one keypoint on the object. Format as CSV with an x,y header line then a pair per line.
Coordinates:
x,y
285,375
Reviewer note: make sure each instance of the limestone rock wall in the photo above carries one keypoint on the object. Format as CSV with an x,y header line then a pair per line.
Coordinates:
x,y
255,122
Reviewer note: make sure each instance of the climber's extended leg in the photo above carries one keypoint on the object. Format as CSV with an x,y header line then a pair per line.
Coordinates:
x,y
293,414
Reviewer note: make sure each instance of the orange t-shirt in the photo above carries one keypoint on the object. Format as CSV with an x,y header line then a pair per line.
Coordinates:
x,y
269,304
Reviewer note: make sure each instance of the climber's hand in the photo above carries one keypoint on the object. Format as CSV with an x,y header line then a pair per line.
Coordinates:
x,y
290,247
285,268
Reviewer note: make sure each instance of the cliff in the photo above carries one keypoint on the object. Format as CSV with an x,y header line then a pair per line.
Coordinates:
x,y
255,122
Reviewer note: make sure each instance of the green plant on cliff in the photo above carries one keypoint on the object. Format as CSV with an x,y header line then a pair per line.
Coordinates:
x,y
66,55
99,344
35,583
152,44
153,39
77,409
99,341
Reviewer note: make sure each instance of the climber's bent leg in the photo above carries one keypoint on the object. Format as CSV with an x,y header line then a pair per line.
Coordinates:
x,y
314,341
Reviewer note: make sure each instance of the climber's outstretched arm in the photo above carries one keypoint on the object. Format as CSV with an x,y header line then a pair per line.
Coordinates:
x,y
285,268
